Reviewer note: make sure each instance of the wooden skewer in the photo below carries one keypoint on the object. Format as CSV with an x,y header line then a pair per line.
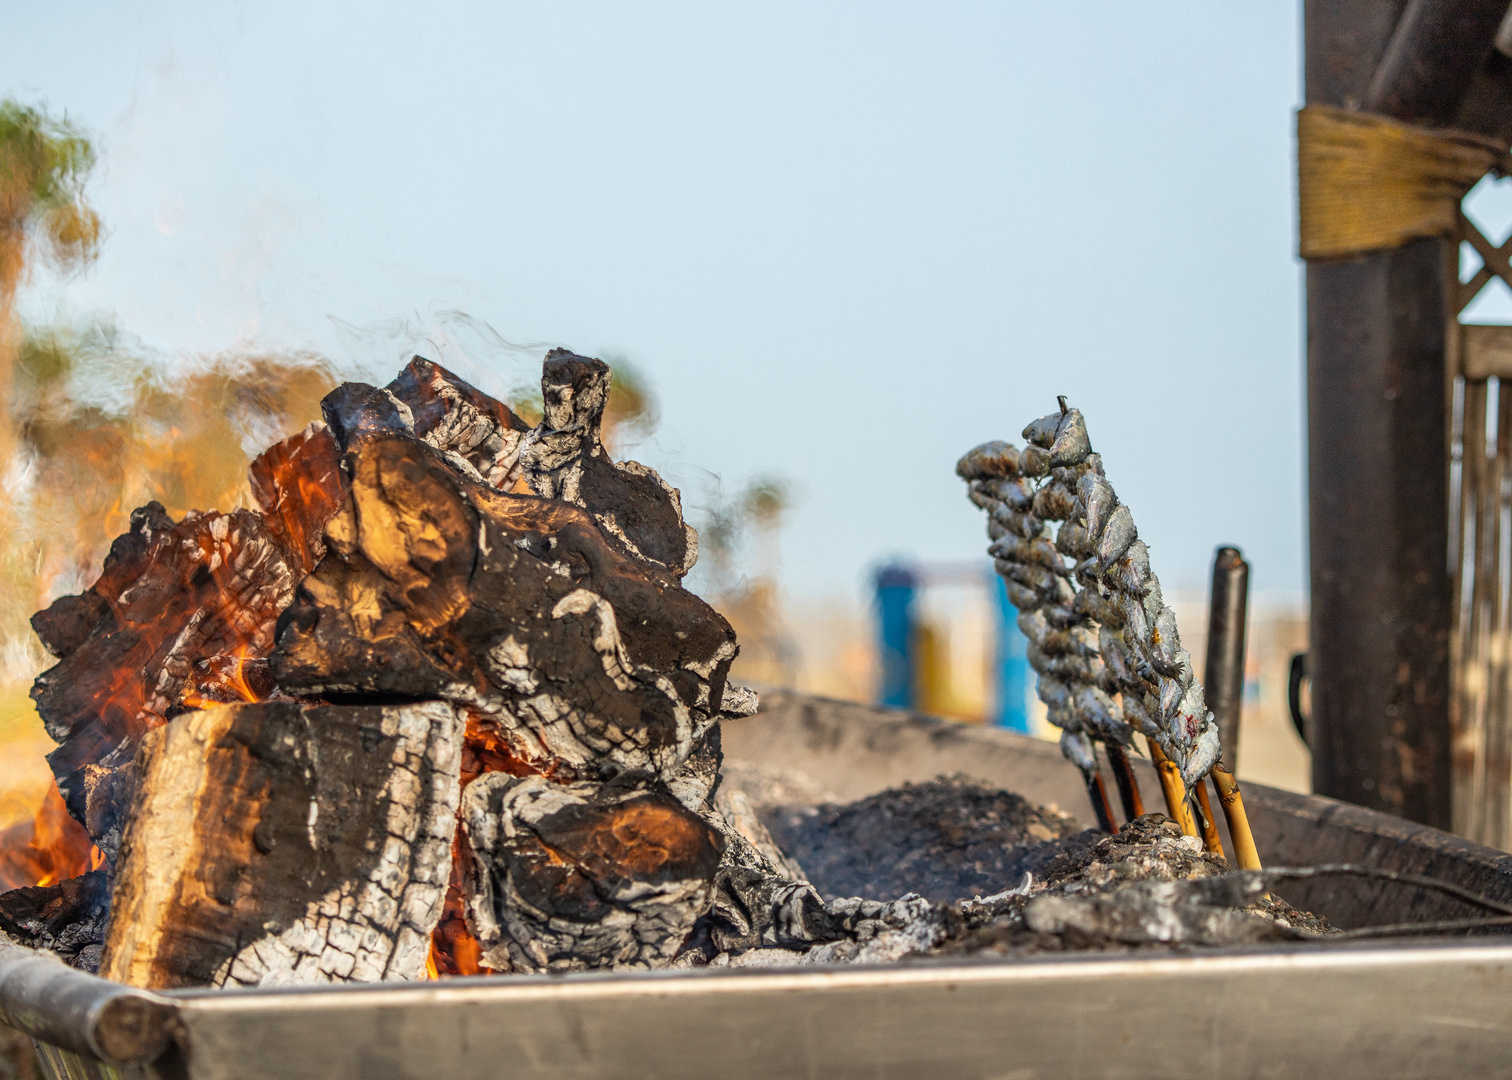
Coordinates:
x,y
1128,783
1238,822
1098,792
1175,790
1210,837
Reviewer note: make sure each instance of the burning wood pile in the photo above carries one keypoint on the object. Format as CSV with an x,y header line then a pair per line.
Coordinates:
x,y
441,705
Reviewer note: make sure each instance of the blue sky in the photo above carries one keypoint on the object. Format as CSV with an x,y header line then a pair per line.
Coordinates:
x,y
846,242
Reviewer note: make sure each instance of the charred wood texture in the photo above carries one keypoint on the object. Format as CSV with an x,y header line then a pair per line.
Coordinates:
x,y
565,459
456,417
68,918
586,875
280,843
178,605
171,593
582,657
298,485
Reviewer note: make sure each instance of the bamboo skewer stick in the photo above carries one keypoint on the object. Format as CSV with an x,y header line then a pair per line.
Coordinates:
x,y
1098,792
1210,838
1245,852
1128,783
1175,790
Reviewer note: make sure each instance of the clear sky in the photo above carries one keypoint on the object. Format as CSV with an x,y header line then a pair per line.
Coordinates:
x,y
846,242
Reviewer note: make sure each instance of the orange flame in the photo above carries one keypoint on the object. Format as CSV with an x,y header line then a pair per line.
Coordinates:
x,y
47,849
224,680
453,948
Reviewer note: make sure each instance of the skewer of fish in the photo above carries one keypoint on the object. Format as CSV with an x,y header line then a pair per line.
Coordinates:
x,y
1061,651
1118,613
1139,637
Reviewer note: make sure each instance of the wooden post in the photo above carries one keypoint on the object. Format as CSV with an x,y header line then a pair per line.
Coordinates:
x,y
1377,435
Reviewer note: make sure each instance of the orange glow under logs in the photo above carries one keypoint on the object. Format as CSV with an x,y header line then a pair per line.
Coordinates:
x,y
47,849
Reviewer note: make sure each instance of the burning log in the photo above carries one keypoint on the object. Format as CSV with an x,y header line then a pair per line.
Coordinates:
x,y
171,593
435,607
284,843
582,657
178,606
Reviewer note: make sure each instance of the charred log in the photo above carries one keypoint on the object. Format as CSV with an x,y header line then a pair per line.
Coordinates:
x,y
436,586
298,485
585,875
68,918
181,612
170,594
456,417
283,843
565,459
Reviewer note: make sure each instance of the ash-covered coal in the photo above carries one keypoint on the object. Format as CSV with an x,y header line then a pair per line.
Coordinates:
x,y
1006,877
947,839
68,918
1148,886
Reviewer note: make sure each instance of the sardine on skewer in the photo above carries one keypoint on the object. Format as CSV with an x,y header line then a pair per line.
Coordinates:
x,y
1105,644
1022,496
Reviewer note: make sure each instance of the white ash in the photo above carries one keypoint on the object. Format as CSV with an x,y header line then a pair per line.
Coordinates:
x,y
1090,891
378,929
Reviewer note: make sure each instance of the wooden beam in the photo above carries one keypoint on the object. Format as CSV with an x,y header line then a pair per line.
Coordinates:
x,y
1435,51
1377,371
1488,352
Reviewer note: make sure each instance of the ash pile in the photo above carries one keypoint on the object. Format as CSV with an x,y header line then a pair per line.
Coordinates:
x,y
950,845
440,705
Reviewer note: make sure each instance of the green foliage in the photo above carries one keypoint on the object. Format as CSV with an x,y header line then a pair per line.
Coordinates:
x,y
631,412
44,163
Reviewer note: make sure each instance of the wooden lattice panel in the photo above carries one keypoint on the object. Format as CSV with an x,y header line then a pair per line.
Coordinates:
x,y
1481,556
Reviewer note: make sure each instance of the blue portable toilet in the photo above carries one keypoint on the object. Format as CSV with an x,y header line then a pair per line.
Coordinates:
x,y
896,586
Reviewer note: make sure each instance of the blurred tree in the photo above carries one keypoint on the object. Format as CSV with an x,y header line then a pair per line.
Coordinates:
x,y
44,163
732,533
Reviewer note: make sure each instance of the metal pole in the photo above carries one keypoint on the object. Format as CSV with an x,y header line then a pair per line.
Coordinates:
x,y
1227,620
51,1002
1378,459
1013,671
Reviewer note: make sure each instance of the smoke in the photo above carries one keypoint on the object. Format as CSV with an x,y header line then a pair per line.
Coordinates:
x,y
103,425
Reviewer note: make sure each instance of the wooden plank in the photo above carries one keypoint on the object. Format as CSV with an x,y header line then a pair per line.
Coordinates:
x,y
1487,352
1498,831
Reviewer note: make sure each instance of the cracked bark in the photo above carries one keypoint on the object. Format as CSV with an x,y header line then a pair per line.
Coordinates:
x,y
281,843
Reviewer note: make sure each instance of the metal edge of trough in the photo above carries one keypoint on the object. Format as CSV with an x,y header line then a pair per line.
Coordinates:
x,y
1381,1011
1423,1010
